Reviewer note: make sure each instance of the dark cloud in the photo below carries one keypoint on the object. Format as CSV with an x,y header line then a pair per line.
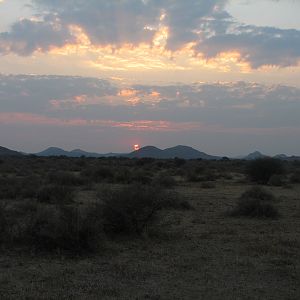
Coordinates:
x,y
27,36
119,22
257,45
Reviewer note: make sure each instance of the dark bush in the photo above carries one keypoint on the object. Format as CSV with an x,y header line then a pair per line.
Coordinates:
x,y
131,209
259,193
164,180
261,170
141,176
55,194
276,180
3,223
256,203
103,174
295,178
18,187
64,228
179,162
123,175
208,185
65,178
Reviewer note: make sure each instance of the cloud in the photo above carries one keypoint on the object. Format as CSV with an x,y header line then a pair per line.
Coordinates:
x,y
229,105
257,45
202,25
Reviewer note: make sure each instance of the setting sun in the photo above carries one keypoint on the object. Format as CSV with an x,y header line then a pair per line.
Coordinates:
x,y
136,147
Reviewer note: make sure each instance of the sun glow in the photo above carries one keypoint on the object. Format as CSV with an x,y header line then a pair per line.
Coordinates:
x,y
136,147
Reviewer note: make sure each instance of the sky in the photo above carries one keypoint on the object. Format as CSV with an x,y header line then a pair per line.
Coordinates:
x,y
219,75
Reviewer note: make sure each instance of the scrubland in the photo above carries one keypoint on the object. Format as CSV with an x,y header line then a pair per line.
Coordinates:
x,y
117,228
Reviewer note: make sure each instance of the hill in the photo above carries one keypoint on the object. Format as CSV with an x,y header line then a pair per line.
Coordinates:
x,y
254,155
147,151
54,151
180,151
7,152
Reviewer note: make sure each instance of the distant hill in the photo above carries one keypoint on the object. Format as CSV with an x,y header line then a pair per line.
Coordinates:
x,y
281,156
147,151
180,151
8,152
187,153
254,155
54,151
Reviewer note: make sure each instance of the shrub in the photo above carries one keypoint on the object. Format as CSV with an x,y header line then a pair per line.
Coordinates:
x,y
122,176
3,223
295,178
208,185
192,175
65,229
55,194
276,180
256,203
103,173
131,209
164,180
141,176
65,178
261,170
259,193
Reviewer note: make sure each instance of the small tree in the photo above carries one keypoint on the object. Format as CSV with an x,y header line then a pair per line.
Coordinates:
x,y
261,170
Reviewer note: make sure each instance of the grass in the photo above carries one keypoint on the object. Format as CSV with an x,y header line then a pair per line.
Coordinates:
x,y
191,254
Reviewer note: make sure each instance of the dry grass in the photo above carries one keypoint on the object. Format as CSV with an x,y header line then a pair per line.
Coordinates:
x,y
193,254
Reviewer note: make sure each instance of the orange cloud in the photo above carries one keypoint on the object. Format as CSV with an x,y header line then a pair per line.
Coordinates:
x,y
128,93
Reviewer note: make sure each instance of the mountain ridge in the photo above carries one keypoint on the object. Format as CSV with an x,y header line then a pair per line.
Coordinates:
x,y
179,151
8,152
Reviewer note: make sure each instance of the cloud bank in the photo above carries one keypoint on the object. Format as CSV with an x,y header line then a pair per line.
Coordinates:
x,y
99,102
202,26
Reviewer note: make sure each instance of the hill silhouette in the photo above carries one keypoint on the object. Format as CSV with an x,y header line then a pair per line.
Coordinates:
x,y
55,151
179,151
8,152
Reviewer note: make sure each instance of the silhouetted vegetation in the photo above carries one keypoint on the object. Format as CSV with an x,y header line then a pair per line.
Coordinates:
x,y
256,203
132,208
261,170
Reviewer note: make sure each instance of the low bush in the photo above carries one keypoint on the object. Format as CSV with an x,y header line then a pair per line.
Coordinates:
x,y
65,228
65,178
164,180
18,187
140,176
256,203
98,174
276,180
55,194
259,193
261,170
295,178
132,208
208,185
3,223
123,175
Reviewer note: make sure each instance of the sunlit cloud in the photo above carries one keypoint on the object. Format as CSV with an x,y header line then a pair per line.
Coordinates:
x,y
150,35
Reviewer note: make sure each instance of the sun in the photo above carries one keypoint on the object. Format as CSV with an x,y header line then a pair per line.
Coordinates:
x,y
136,147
